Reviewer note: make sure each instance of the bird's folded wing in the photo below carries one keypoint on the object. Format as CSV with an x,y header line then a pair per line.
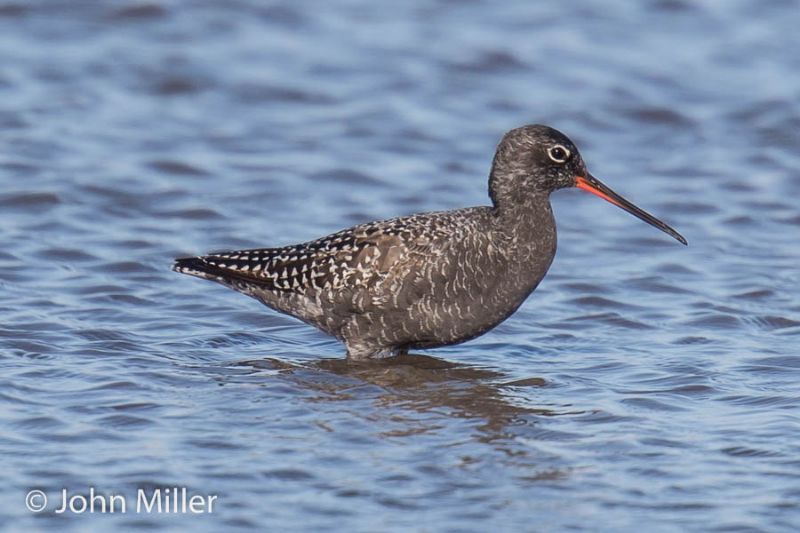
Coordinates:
x,y
358,258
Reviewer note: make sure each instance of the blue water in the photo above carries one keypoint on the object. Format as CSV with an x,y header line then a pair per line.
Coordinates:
x,y
643,385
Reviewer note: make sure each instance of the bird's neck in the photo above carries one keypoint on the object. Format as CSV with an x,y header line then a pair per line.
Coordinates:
x,y
526,233
531,211
528,223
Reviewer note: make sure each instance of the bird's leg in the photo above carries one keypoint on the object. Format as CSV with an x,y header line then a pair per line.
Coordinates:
x,y
359,350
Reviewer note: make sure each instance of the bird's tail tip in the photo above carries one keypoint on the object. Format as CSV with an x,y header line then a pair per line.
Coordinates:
x,y
194,266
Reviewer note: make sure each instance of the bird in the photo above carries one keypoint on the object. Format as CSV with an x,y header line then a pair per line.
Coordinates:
x,y
426,280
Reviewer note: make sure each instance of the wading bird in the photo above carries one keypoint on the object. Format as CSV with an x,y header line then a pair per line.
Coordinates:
x,y
426,280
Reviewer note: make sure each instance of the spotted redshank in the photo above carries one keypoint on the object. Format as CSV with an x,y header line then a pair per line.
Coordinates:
x,y
426,280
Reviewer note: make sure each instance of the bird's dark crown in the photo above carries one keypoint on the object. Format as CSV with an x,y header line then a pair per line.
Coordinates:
x,y
532,161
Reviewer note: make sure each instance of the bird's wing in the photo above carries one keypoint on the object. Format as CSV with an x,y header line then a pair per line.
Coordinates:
x,y
363,258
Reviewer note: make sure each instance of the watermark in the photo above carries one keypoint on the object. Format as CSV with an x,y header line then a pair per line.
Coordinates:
x,y
164,500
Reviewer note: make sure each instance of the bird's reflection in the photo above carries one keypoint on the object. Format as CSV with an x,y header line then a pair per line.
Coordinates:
x,y
420,383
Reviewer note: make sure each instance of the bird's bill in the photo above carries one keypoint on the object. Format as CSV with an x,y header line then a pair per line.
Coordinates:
x,y
598,188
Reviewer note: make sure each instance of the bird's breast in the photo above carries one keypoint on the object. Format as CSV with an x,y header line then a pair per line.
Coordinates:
x,y
480,283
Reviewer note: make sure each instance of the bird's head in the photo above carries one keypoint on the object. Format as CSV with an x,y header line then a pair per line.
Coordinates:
x,y
535,160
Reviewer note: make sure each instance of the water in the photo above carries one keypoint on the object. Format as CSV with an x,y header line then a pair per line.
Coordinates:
x,y
644,384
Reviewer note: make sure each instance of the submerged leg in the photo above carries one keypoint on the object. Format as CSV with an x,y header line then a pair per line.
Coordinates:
x,y
361,351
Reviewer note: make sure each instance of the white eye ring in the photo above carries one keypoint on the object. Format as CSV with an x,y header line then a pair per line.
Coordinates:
x,y
558,153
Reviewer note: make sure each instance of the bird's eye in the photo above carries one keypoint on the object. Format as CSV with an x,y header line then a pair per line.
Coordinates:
x,y
558,153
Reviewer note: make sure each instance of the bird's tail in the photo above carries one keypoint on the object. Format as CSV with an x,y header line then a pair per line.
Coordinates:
x,y
208,267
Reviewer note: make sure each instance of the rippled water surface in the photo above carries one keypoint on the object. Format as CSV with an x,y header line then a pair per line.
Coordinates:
x,y
643,385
